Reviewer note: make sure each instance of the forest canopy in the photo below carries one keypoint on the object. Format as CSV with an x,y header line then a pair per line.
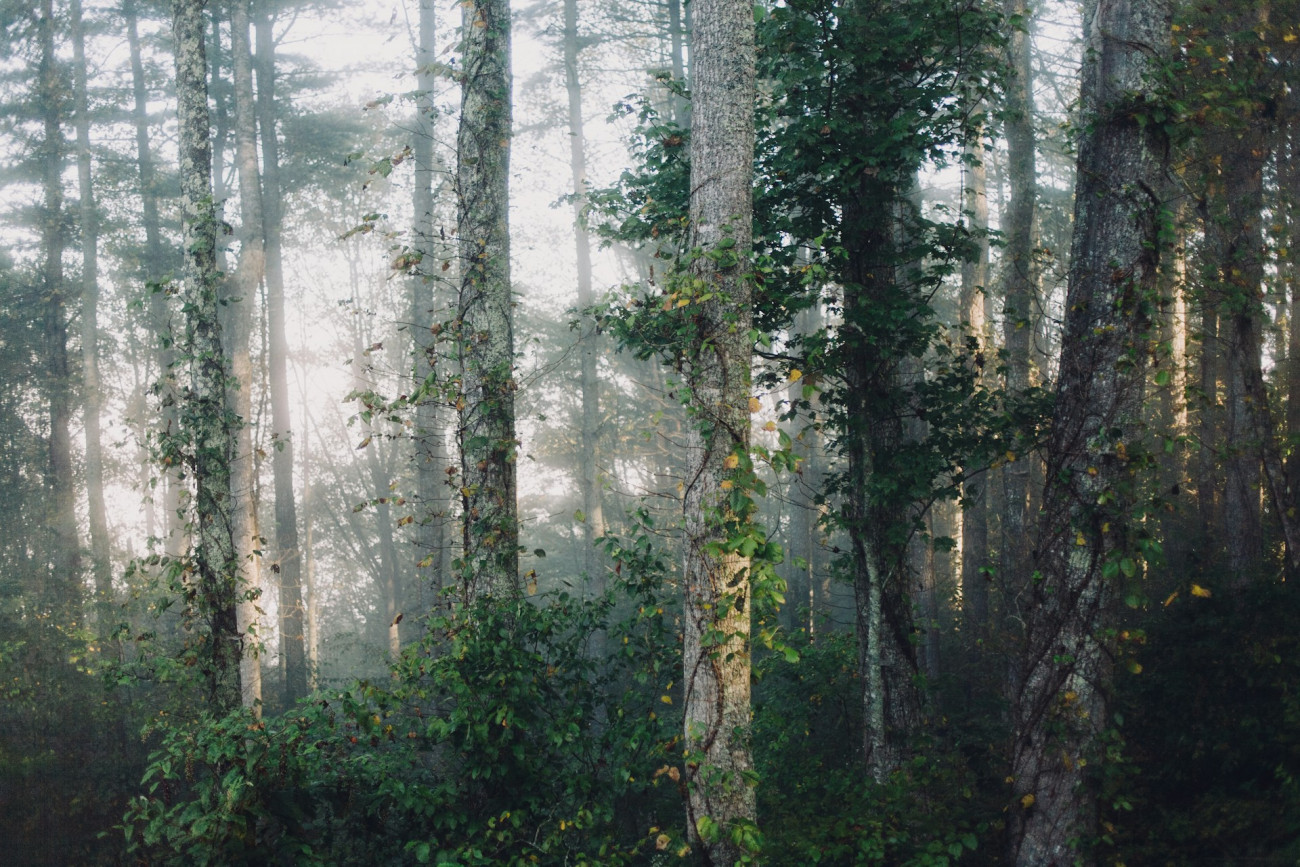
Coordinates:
x,y
828,432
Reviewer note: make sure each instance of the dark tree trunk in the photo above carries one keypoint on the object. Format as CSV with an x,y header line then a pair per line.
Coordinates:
x,y
1087,538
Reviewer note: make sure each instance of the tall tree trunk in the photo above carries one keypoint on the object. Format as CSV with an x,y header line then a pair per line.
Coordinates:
x,y
679,108
308,554
154,273
716,585
974,313
875,380
1087,538
91,385
1020,293
430,435
237,333
288,563
484,322
1234,241
64,554
593,523
207,424
1208,430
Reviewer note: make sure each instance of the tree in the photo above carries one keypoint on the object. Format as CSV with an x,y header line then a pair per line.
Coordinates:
x,y
210,428
1090,538
288,557
716,575
484,323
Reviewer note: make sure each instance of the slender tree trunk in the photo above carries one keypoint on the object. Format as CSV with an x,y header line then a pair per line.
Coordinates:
x,y
288,563
1087,537
64,554
308,554
1208,428
485,337
974,312
91,385
237,333
679,108
716,609
1019,287
154,273
593,523
430,435
208,425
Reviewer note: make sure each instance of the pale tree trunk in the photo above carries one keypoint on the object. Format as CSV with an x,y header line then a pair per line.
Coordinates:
x,y
429,434
288,557
155,269
679,108
237,334
1019,288
717,592
485,336
308,554
1289,188
90,381
974,312
1208,429
205,420
593,522
1086,539
804,556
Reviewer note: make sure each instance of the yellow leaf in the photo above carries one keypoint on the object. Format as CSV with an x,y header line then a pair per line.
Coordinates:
x,y
532,588
662,841
666,699
726,485
1027,801
755,404
1169,600
1011,457
1290,37
1199,591
770,426
1079,540
795,374
731,462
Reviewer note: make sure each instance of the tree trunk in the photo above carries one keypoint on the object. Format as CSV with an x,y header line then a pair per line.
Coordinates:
x,y
288,558
1019,288
154,273
593,523
1087,538
484,326
206,423
716,585
101,568
64,552
974,312
237,332
430,435
1234,241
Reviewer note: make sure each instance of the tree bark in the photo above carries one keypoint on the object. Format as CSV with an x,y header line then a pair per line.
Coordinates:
x,y
206,422
484,326
716,585
288,557
1087,536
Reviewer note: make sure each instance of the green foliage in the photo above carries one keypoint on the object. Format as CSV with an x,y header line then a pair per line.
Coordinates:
x,y
499,741
822,809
